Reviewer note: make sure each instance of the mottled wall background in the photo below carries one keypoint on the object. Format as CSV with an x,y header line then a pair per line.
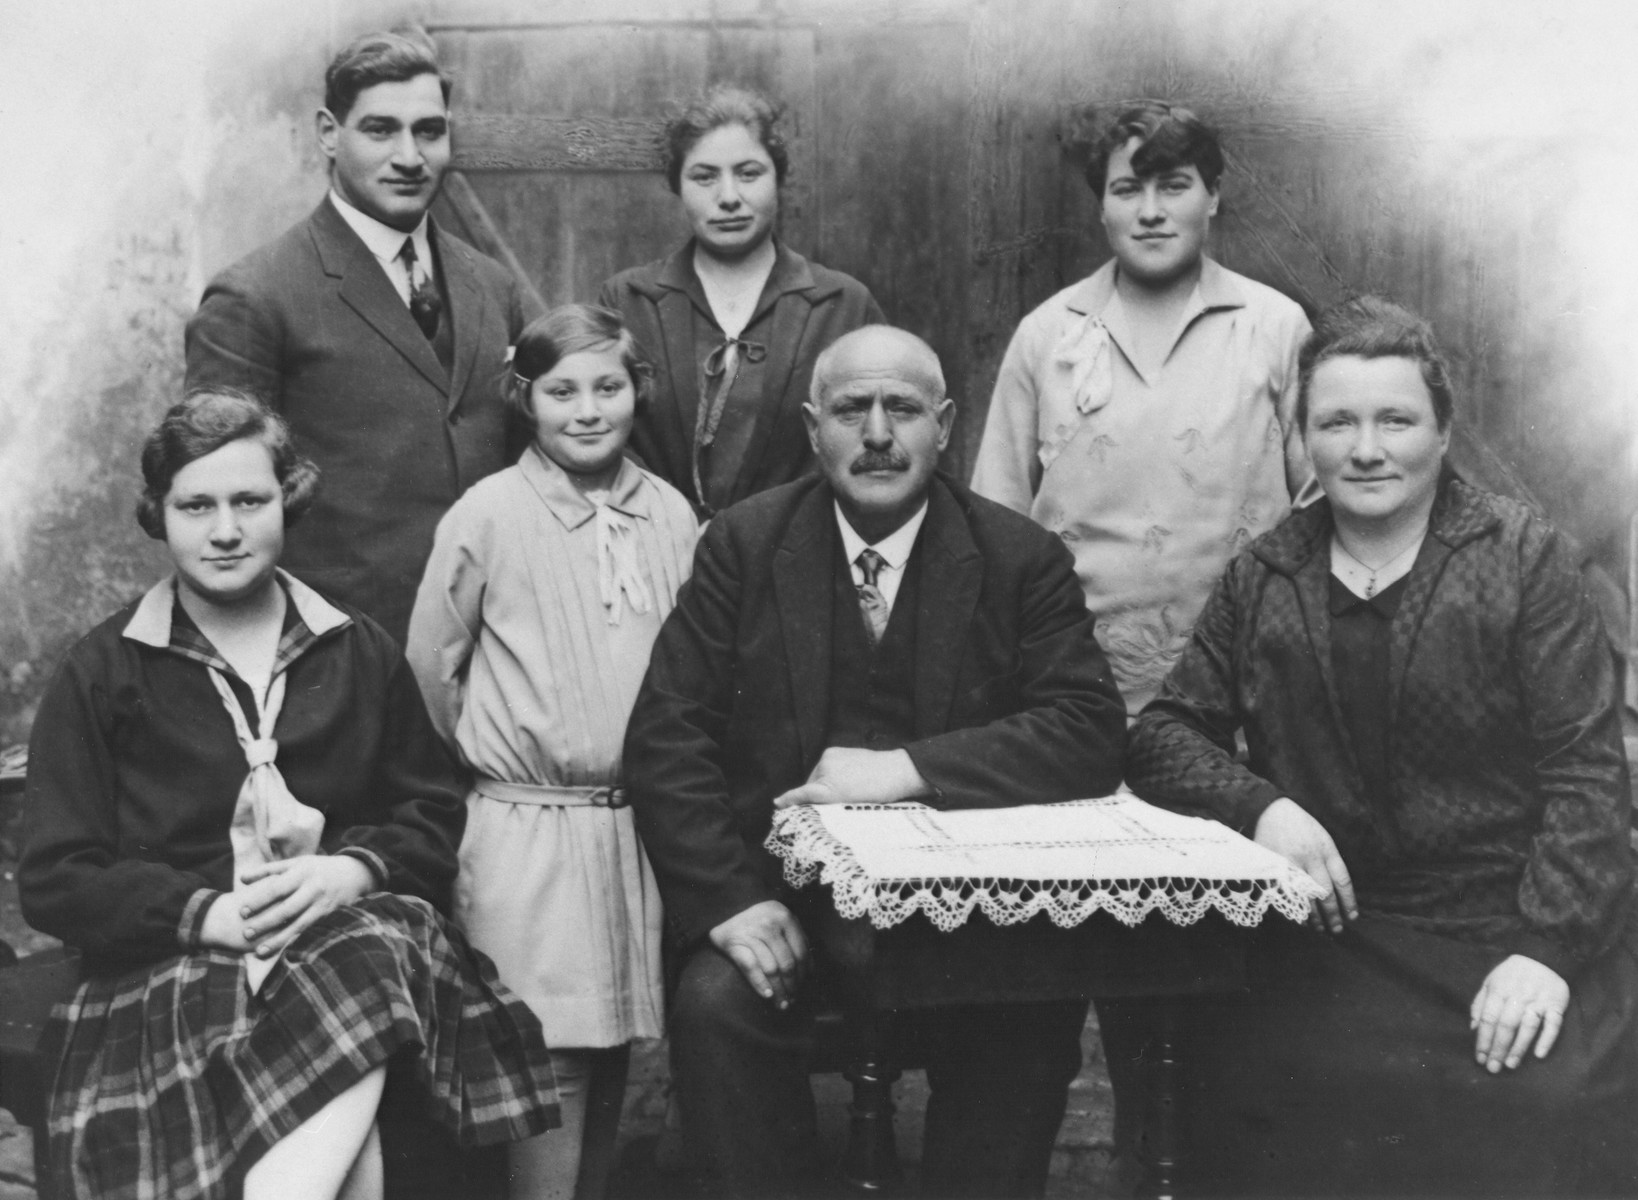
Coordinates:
x,y
1476,159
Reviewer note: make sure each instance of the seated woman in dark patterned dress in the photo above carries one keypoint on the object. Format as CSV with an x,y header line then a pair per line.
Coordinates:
x,y
238,810
1429,703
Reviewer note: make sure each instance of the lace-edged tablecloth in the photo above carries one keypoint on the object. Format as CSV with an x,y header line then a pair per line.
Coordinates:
x,y
1117,855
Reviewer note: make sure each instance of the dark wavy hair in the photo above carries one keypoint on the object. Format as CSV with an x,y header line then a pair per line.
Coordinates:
x,y
1372,327
567,330
204,422
725,104
391,57
1172,136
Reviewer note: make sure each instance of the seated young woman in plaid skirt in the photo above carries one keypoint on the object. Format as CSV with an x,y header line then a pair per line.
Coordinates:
x,y
239,811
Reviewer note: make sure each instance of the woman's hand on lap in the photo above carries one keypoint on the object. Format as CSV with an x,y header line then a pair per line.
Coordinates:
x,y
1520,1002
223,928
283,898
1286,828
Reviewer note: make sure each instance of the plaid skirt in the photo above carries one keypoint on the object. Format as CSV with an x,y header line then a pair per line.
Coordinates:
x,y
172,1080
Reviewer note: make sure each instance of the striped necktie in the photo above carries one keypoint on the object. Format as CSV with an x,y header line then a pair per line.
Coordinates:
x,y
871,601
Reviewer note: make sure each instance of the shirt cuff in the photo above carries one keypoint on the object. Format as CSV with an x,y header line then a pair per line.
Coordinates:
x,y
1247,809
1545,951
192,925
371,860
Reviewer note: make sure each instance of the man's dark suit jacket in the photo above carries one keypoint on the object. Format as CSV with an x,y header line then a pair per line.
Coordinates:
x,y
311,324
1014,703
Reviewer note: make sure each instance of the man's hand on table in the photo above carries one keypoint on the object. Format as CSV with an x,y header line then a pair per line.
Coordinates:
x,y
844,775
767,945
1518,1000
1286,828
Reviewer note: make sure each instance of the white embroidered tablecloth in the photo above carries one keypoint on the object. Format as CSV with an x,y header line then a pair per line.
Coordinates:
x,y
1117,855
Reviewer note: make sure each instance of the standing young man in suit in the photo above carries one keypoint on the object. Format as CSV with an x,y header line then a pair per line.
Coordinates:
x,y
380,337
871,635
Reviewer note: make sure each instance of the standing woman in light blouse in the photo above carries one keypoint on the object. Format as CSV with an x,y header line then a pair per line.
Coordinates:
x,y
1145,414
545,591
734,318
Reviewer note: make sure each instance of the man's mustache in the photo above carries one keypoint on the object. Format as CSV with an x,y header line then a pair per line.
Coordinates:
x,y
879,460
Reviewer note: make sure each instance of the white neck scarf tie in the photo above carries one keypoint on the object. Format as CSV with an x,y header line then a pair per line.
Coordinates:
x,y
1086,353
269,824
618,573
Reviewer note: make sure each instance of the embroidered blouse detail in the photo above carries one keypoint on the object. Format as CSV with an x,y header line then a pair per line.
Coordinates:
x,y
1086,353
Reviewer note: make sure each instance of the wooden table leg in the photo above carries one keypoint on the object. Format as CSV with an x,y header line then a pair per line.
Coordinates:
x,y
871,1161
1164,1089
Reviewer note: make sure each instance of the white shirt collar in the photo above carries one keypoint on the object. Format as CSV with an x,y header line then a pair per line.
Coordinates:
x,y
150,624
894,548
384,241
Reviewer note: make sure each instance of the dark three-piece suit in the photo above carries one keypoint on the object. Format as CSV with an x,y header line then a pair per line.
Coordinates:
x,y
988,675
312,325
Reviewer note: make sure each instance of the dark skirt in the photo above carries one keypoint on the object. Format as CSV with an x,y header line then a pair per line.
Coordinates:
x,y
1348,1069
173,1080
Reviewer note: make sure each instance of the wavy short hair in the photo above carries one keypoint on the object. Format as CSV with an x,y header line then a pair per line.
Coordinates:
x,y
1372,327
391,57
725,104
567,330
204,422
1172,137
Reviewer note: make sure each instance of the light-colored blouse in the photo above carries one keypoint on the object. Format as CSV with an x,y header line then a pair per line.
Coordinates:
x,y
530,637
1153,482
543,696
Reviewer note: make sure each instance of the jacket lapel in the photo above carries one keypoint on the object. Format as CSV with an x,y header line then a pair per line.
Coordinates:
x,y
1313,585
467,300
802,591
1458,517
671,294
952,575
1297,549
784,339
365,288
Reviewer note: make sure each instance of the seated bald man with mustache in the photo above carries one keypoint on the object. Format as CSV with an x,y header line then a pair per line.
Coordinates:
x,y
874,634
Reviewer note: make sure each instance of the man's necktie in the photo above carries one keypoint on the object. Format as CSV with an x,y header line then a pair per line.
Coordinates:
x,y
424,304
871,601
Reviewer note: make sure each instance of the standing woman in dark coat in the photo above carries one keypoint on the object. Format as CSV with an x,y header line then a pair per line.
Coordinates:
x,y
1430,708
734,319
239,812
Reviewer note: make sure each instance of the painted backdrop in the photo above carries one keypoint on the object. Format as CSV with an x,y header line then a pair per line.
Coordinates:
x,y
1476,161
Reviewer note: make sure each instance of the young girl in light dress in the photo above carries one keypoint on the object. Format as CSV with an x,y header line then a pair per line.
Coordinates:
x,y
531,633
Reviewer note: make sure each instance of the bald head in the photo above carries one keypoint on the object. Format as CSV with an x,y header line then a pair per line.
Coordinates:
x,y
877,421
877,351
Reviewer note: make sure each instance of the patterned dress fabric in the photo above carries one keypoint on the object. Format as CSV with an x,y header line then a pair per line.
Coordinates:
x,y
174,1081
1493,821
1508,811
172,1075
529,649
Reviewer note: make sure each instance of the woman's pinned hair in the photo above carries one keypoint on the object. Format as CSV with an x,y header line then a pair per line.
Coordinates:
x,y
202,423
1172,137
1372,327
725,104
567,330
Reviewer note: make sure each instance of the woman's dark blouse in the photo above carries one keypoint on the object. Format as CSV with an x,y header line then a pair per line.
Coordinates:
x,y
1503,815
1359,658
762,441
134,771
